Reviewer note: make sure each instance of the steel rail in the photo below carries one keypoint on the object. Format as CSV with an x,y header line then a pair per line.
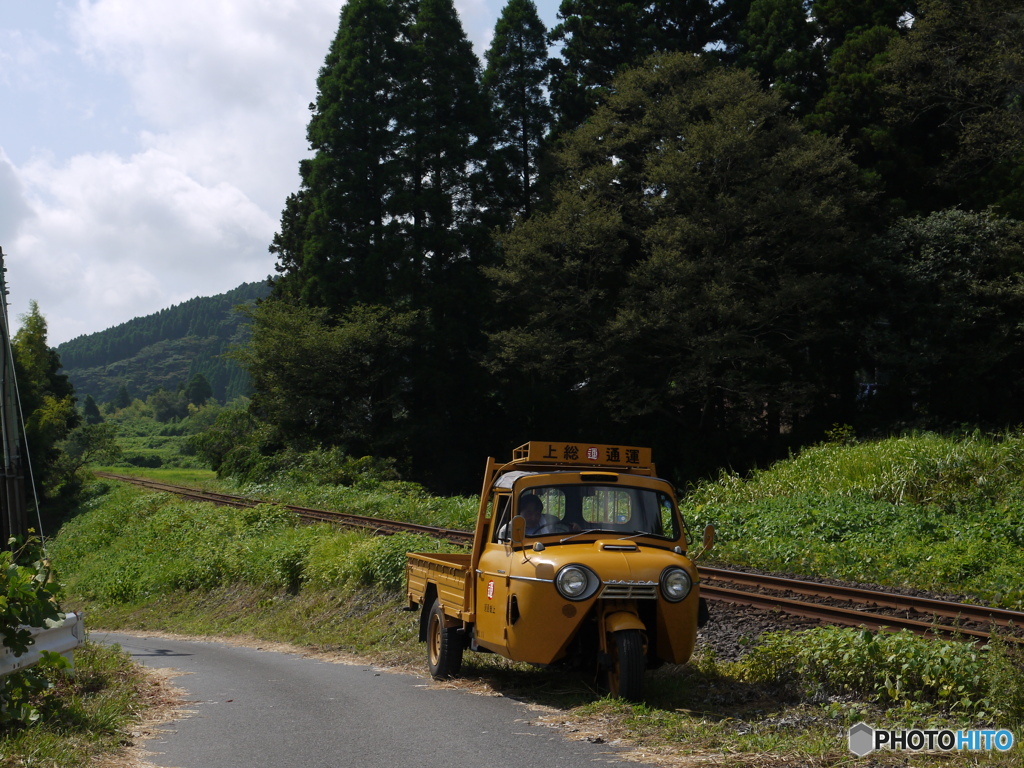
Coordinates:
x,y
962,611
386,527
836,615
346,519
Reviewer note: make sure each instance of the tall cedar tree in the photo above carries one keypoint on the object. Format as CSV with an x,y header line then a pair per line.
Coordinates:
x,y
447,143
397,193
394,214
455,208
601,38
341,239
777,42
698,272
517,64
91,411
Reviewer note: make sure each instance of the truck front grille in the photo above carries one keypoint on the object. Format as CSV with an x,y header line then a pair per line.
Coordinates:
x,y
623,590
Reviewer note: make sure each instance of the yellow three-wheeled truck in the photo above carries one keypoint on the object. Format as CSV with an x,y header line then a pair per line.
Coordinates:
x,y
579,556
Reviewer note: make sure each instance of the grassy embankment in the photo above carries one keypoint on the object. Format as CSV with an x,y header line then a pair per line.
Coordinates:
x,y
922,511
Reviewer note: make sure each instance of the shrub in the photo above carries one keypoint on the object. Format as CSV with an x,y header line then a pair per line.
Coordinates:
x,y
28,598
893,669
352,559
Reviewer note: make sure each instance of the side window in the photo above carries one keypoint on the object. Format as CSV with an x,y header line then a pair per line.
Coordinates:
x,y
501,509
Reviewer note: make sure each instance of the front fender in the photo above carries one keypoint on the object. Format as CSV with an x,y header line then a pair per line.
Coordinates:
x,y
620,620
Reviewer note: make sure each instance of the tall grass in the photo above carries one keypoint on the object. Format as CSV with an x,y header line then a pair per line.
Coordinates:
x,y
932,512
920,469
128,546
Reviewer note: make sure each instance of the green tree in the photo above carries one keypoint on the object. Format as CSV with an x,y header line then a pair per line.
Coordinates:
x,y
955,96
91,411
122,399
167,405
601,38
47,398
697,276
234,431
514,77
198,390
950,348
321,381
85,444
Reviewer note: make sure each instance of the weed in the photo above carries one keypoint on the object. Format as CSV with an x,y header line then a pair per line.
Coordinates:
x,y
82,714
892,669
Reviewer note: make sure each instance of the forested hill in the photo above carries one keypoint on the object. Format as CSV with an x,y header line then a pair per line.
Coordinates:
x,y
164,349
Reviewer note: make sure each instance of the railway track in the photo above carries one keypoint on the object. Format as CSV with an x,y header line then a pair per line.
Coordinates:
x,y
823,602
372,524
832,603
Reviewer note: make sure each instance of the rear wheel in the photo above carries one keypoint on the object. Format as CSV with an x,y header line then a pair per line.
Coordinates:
x,y
444,645
625,677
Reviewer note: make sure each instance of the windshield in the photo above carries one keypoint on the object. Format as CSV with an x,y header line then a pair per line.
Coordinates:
x,y
622,510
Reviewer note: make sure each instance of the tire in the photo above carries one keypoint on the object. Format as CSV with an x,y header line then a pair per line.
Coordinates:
x,y
444,646
625,678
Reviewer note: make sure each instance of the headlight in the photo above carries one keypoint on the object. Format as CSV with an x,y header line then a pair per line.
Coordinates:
x,y
576,582
675,584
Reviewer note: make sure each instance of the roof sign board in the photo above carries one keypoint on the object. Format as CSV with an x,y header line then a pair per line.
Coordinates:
x,y
582,454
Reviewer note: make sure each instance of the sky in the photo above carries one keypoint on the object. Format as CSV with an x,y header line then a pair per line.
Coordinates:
x,y
147,146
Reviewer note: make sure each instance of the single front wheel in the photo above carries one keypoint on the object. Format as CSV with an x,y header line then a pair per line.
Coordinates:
x,y
444,645
626,676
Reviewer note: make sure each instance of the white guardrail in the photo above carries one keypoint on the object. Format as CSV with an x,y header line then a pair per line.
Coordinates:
x,y
62,638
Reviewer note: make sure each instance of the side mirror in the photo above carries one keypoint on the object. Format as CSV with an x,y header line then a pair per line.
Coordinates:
x,y
518,529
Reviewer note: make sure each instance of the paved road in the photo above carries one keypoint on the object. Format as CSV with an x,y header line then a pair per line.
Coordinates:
x,y
264,709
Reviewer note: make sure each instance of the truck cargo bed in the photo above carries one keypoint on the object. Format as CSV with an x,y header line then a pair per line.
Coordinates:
x,y
448,573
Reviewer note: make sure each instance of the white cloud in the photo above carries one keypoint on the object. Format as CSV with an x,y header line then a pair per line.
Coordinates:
x,y
14,209
222,89
224,85
24,58
112,239
192,60
186,190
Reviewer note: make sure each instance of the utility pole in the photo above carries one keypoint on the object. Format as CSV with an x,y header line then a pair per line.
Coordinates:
x,y
13,513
